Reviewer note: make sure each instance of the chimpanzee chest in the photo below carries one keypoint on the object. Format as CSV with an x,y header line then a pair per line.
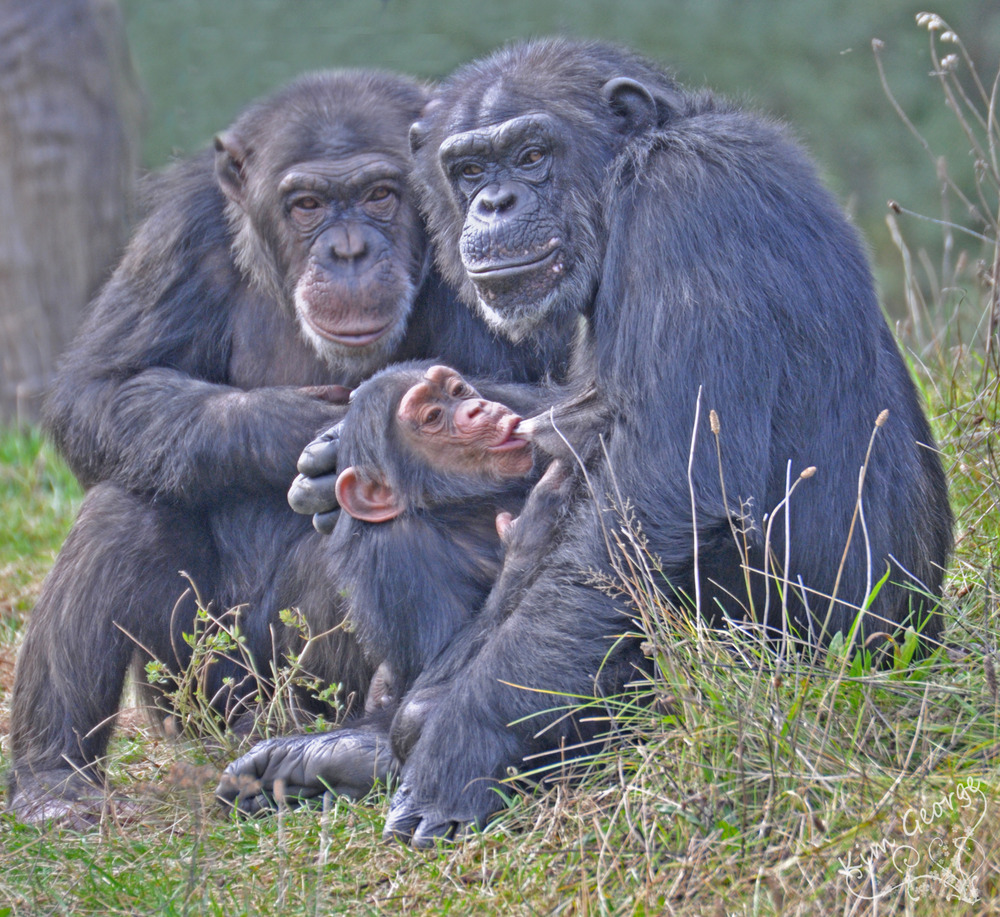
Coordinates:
x,y
267,348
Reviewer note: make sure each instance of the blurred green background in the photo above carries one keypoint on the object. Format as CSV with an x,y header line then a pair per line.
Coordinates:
x,y
808,62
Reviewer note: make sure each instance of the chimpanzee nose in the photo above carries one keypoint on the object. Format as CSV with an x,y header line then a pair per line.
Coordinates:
x,y
496,199
347,242
468,411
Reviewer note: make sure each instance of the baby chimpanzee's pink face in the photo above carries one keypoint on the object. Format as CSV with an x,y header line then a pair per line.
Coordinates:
x,y
447,423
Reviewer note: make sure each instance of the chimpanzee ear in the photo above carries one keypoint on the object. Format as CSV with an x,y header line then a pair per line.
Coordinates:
x,y
418,134
632,102
419,129
366,500
230,158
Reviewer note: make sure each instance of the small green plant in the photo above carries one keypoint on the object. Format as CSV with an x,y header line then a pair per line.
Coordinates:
x,y
260,703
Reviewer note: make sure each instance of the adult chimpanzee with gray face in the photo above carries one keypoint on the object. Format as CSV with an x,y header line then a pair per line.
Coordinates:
x,y
287,262
714,273
434,473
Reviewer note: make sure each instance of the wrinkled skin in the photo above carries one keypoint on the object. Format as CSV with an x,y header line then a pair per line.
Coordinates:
x,y
446,422
348,763
345,256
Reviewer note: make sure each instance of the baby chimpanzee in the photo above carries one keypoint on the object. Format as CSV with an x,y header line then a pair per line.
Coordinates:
x,y
430,465
435,476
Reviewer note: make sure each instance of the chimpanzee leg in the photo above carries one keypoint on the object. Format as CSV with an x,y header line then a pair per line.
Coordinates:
x,y
115,584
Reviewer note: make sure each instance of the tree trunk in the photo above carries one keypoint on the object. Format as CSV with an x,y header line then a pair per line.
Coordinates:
x,y
70,110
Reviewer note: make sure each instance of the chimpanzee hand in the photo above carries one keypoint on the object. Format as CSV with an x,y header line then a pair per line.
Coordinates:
x,y
347,762
536,526
314,490
334,394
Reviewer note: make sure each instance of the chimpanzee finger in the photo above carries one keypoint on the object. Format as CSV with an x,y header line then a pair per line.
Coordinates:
x,y
320,456
430,832
404,817
324,522
416,825
335,394
505,526
309,495
264,803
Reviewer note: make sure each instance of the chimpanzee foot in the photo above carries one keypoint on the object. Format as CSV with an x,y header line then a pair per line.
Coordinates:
x,y
66,798
296,769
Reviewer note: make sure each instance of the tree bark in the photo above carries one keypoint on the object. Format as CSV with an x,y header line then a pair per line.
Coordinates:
x,y
70,112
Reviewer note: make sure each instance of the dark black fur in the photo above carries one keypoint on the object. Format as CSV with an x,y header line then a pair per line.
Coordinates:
x,y
699,243
184,403
714,273
410,584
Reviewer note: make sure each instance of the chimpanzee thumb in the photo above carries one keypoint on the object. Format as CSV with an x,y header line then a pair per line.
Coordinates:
x,y
314,491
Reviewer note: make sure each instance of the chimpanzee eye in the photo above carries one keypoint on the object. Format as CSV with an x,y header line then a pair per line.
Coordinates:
x,y
380,201
306,210
432,416
532,156
471,170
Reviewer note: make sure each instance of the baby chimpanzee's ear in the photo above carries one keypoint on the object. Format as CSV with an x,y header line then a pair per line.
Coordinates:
x,y
369,501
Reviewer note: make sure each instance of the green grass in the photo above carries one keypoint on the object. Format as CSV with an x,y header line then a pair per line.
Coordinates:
x,y
38,499
748,786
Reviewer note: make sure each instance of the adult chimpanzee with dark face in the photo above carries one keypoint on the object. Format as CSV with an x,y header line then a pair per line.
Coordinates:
x,y
434,473
289,261
715,273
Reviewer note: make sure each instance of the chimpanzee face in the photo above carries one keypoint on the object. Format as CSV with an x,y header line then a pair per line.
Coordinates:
x,y
324,221
508,179
444,421
440,440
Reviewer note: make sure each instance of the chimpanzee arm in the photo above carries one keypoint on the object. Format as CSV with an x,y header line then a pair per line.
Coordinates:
x,y
519,670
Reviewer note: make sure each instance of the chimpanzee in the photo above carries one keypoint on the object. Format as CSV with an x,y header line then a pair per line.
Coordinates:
x,y
429,465
288,262
715,274
434,474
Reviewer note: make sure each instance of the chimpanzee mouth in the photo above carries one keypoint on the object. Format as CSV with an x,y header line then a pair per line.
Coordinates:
x,y
501,270
360,338
509,440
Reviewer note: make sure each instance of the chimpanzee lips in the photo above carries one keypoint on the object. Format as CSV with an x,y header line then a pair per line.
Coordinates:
x,y
508,441
496,269
353,337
